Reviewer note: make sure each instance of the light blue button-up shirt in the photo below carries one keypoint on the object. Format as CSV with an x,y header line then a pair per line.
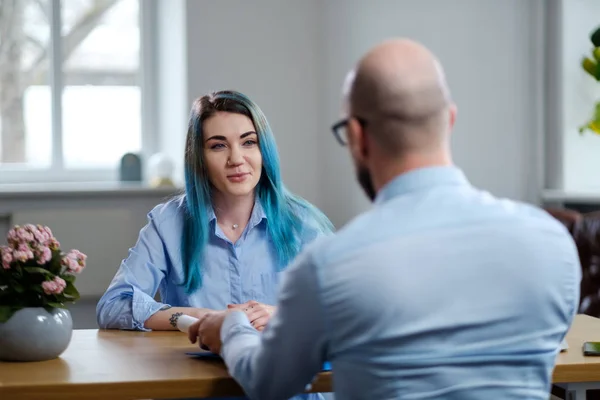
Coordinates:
x,y
441,291
232,273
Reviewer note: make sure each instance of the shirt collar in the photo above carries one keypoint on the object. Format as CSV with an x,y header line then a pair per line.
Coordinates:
x,y
258,214
420,179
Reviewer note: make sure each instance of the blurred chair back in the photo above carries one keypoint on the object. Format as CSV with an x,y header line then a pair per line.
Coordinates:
x,y
585,229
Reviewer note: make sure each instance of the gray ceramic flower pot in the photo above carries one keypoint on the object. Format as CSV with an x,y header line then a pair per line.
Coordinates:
x,y
34,334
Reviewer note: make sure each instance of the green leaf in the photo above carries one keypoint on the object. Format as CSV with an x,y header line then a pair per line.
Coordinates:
x,y
6,312
18,288
54,264
37,289
68,278
54,304
596,53
590,66
595,37
70,291
38,270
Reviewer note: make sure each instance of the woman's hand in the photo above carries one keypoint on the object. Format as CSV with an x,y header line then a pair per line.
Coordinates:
x,y
258,314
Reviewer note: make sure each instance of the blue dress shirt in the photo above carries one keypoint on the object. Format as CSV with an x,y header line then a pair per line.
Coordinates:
x,y
233,273
441,291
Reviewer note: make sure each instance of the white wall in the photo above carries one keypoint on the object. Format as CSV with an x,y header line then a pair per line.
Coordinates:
x,y
487,48
291,57
581,160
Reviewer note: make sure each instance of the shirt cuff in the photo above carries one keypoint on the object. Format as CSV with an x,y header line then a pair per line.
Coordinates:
x,y
142,309
235,321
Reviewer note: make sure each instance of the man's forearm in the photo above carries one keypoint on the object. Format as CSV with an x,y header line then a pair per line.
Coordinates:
x,y
166,320
281,361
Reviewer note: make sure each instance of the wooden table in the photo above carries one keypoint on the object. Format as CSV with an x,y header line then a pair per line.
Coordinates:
x,y
132,365
573,371
124,365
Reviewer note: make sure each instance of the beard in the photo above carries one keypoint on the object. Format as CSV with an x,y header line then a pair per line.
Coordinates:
x,y
366,182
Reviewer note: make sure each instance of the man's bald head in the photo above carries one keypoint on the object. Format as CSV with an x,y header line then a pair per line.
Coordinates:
x,y
399,88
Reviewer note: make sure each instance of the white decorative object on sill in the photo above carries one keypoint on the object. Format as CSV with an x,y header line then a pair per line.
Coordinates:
x,y
160,170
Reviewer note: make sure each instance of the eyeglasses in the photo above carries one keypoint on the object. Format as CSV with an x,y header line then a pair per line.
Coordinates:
x,y
340,132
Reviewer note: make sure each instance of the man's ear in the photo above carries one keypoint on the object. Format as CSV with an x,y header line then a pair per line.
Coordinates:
x,y
453,110
357,140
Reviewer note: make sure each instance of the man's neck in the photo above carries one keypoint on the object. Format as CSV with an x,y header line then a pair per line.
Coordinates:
x,y
385,169
233,210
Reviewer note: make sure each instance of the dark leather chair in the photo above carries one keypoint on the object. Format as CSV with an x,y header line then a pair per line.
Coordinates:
x,y
585,229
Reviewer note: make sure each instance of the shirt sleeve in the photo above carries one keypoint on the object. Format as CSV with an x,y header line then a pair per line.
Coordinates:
x,y
281,361
129,300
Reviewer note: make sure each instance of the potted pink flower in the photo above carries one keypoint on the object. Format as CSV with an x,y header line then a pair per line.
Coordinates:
x,y
36,281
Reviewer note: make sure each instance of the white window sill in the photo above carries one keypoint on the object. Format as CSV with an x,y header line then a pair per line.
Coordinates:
x,y
561,196
12,191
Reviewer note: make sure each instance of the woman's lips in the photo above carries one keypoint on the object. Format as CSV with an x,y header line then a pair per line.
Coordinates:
x,y
238,177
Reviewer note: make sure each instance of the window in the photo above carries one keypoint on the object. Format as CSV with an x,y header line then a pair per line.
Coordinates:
x,y
70,88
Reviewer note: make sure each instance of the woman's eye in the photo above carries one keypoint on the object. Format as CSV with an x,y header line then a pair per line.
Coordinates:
x,y
250,142
217,146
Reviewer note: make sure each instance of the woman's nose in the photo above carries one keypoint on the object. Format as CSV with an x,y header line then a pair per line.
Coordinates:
x,y
235,158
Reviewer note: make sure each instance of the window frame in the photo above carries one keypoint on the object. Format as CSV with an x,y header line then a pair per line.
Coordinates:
x,y
56,172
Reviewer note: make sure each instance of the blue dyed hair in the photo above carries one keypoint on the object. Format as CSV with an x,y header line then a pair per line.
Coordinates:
x,y
285,211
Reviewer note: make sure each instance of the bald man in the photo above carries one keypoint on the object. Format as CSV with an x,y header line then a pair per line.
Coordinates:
x,y
440,291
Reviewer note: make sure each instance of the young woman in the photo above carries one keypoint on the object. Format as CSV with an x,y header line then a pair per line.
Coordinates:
x,y
225,241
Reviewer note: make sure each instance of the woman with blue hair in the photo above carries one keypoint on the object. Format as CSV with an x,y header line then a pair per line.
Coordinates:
x,y
223,243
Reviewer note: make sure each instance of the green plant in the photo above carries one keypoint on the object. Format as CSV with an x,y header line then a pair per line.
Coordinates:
x,y
34,272
591,65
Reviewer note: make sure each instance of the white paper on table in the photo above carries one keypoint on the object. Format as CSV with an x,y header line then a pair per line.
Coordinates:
x,y
184,322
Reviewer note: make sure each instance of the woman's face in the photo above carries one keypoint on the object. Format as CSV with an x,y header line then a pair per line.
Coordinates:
x,y
231,152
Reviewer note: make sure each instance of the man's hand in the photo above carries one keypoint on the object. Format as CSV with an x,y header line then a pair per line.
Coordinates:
x,y
258,314
208,330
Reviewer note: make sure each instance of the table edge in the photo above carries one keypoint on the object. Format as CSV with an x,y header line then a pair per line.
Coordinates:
x,y
178,388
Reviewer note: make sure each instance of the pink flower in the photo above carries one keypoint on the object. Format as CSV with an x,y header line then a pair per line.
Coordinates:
x,y
6,256
46,230
79,256
30,228
25,251
36,242
53,244
56,286
41,237
22,253
25,235
43,255
74,261
19,256
60,283
32,235
12,234
22,234
49,287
